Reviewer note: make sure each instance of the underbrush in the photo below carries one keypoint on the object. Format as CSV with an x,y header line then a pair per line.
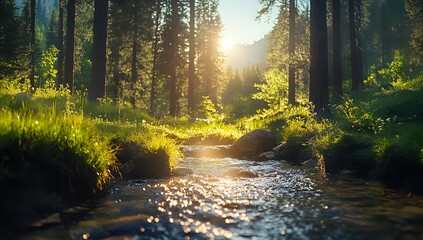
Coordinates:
x,y
379,138
375,134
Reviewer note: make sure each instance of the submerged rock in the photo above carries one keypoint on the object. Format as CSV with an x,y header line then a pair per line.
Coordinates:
x,y
211,151
180,172
270,155
252,144
294,150
311,163
239,173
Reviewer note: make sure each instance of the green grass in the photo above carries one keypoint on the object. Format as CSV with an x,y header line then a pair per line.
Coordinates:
x,y
379,135
77,159
57,149
147,138
198,132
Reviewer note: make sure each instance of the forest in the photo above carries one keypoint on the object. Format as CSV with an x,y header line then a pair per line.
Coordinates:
x,y
101,95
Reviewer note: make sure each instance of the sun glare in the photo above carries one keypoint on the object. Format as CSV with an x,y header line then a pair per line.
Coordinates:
x,y
226,43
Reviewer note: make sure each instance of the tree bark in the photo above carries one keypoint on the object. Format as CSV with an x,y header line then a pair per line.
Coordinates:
x,y
97,87
174,49
134,71
155,56
70,46
291,50
60,47
32,75
359,43
337,46
319,91
353,46
191,84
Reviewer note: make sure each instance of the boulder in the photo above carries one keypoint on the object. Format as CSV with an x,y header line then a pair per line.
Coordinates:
x,y
252,144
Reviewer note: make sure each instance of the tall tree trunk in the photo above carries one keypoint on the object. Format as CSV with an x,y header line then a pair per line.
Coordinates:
x,y
173,50
191,84
134,71
97,87
60,47
359,43
291,50
319,89
116,78
32,75
155,56
353,46
173,100
337,46
70,46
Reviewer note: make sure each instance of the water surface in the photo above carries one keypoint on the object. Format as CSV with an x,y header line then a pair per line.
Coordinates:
x,y
227,198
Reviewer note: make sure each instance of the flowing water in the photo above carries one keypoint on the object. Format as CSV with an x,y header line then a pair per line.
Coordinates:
x,y
227,198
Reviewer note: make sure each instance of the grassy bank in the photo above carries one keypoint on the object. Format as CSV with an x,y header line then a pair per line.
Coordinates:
x,y
50,159
57,150
380,137
375,134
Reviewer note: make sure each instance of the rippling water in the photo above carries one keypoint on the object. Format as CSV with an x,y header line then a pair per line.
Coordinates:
x,y
227,198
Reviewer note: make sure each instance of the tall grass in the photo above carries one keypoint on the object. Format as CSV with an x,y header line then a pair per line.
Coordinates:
x,y
63,148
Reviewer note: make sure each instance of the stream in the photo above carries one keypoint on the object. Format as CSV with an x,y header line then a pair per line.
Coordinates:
x,y
228,198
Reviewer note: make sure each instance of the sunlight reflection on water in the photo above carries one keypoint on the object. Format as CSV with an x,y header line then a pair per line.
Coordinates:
x,y
281,202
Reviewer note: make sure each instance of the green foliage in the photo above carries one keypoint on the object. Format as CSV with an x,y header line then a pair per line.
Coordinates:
x,y
14,45
210,57
274,90
237,97
378,134
47,73
207,111
355,116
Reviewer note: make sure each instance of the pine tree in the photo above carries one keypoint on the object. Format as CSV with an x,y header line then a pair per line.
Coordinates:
x,y
279,54
70,46
155,55
97,88
319,89
173,56
13,47
414,10
291,50
52,29
354,9
60,46
337,60
209,55
32,75
192,77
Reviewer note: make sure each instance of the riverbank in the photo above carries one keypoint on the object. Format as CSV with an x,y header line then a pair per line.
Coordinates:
x,y
57,151
375,135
